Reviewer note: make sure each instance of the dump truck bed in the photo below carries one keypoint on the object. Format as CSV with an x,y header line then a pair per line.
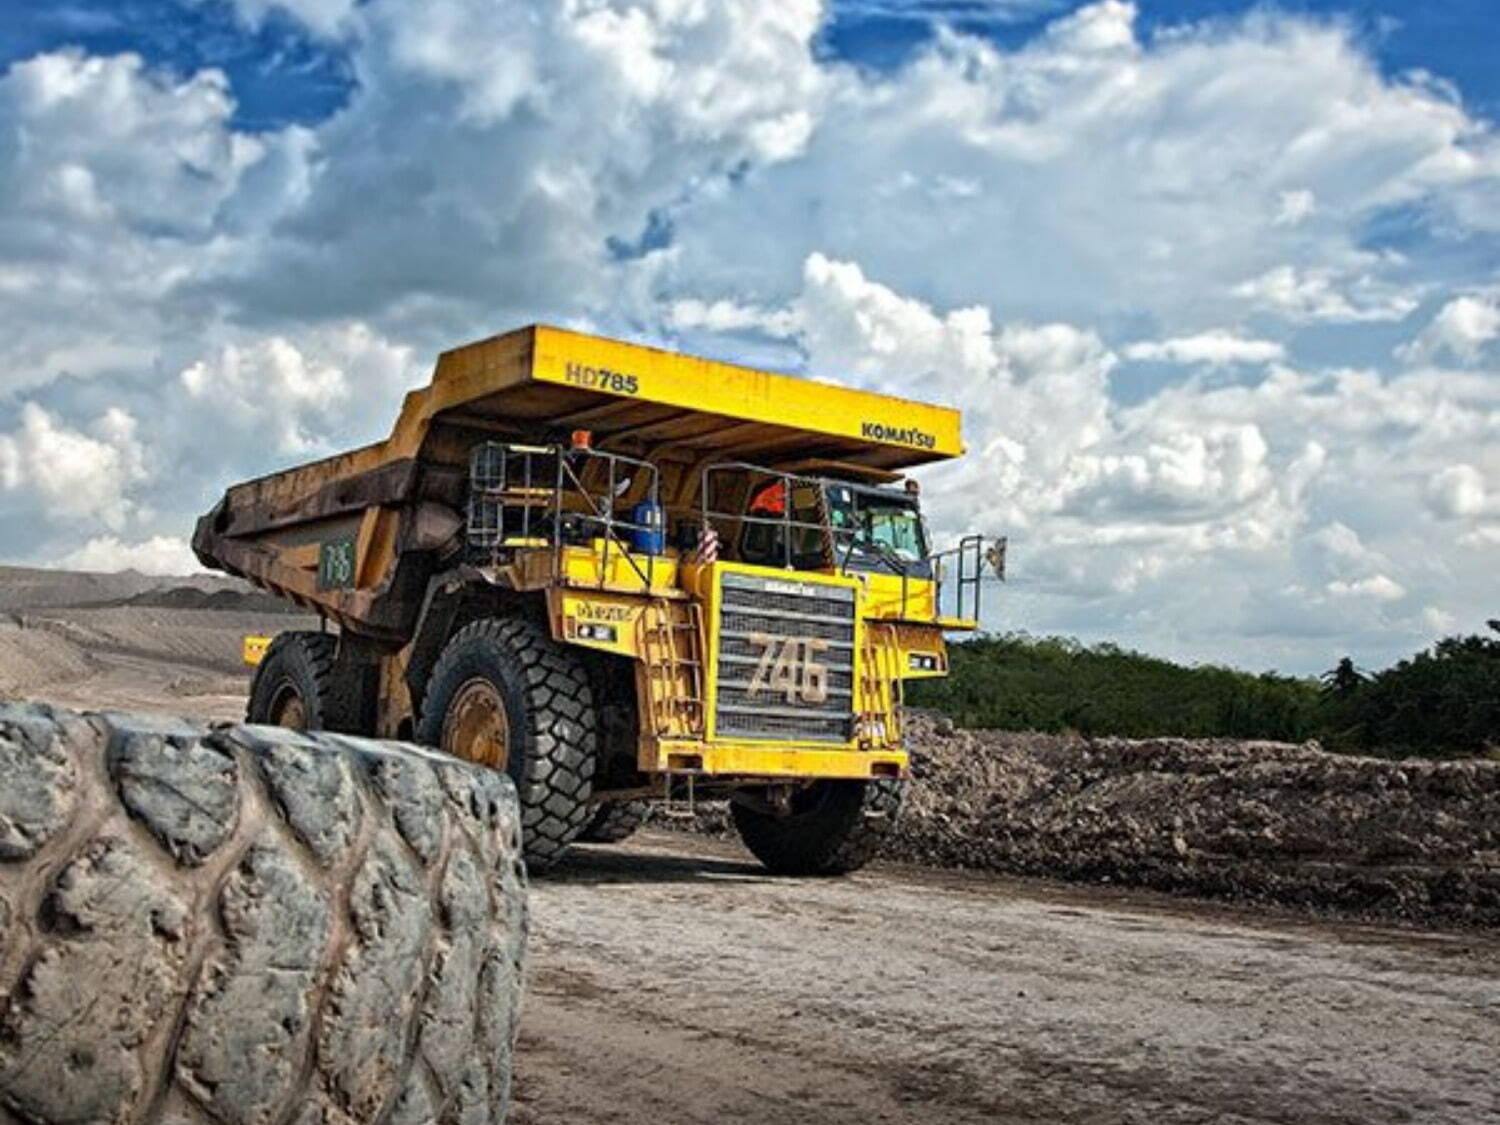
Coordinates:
x,y
386,505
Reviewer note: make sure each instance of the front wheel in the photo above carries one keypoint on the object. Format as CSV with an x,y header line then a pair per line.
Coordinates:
x,y
506,695
831,828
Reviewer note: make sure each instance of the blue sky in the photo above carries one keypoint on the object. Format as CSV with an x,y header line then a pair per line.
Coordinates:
x,y
1452,38
281,72
1216,285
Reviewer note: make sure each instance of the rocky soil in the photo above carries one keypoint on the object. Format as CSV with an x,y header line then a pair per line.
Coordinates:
x,y
1254,822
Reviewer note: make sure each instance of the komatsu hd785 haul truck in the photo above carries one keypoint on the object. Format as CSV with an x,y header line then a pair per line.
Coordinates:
x,y
621,575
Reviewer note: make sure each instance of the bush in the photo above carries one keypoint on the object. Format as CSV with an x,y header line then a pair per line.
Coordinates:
x,y
1017,682
1444,701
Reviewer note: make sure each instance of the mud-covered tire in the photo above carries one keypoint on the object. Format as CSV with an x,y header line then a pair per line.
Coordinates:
x,y
248,924
834,827
307,665
615,822
553,727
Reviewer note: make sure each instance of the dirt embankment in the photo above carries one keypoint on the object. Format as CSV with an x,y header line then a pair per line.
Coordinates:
x,y
24,587
131,641
32,660
210,640
1250,821
1255,822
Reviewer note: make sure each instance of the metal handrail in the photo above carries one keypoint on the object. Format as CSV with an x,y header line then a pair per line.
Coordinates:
x,y
788,482
605,517
566,478
969,553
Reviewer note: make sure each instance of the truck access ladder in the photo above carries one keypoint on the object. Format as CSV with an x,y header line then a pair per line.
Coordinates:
x,y
672,632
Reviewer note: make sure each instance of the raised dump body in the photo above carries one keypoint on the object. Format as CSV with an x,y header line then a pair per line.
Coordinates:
x,y
618,573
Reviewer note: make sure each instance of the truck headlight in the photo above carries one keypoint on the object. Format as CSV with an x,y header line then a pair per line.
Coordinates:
x,y
607,633
921,662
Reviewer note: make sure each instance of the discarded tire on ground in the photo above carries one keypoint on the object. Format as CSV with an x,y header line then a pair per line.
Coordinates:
x,y
248,924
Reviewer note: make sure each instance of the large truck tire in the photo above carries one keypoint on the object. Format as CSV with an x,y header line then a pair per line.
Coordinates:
x,y
832,827
505,694
616,821
246,924
301,684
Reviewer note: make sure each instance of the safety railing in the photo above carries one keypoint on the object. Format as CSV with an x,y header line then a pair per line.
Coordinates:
x,y
835,546
968,559
517,500
755,480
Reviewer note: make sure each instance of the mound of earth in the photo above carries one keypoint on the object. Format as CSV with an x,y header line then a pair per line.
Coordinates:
x,y
1255,822
228,600
24,587
36,659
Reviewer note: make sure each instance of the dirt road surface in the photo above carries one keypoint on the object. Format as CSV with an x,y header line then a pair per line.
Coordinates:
x,y
673,982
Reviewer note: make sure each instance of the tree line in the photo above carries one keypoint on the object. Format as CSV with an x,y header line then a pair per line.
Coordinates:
x,y
1443,701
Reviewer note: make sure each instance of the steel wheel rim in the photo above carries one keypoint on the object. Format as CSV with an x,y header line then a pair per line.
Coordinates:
x,y
288,708
476,728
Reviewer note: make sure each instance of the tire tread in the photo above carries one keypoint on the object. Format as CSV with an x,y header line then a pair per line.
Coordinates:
x,y
152,967
554,780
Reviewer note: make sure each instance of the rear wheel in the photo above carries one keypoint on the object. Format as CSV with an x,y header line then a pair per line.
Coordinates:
x,y
615,822
832,827
506,695
297,686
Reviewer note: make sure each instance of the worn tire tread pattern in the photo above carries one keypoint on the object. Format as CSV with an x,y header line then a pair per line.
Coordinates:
x,y
553,767
844,835
246,924
310,658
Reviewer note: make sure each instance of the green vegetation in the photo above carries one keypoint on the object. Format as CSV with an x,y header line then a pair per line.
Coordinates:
x,y
1441,702
1017,682
1444,701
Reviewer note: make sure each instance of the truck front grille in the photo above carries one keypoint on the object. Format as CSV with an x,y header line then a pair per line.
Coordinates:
x,y
785,660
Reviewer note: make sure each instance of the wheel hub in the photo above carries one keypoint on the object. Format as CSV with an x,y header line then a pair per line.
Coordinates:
x,y
288,709
476,728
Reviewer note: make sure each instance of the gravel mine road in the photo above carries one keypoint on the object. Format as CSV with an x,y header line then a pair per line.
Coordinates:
x,y
674,983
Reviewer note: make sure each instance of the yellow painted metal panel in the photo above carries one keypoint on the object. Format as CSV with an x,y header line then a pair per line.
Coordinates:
x,y
253,650
748,760
631,371
599,621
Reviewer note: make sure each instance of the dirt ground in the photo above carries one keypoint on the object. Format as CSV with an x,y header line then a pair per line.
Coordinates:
x,y
673,982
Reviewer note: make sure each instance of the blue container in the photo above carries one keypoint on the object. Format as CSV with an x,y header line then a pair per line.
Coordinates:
x,y
650,536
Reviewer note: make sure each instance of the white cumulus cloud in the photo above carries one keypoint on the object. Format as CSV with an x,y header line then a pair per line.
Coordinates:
x,y
1376,586
1314,295
160,554
1460,330
1212,349
1251,202
75,474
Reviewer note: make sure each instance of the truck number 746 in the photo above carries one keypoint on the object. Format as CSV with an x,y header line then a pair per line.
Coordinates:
x,y
788,666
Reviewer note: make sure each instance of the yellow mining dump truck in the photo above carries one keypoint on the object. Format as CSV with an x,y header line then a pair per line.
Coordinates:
x,y
620,575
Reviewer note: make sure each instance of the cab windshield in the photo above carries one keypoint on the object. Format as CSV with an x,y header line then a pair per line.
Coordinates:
x,y
877,530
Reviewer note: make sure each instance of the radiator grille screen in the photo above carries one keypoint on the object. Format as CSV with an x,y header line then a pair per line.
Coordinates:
x,y
785,660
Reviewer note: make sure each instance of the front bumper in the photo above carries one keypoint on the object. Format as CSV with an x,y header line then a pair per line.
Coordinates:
x,y
750,760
